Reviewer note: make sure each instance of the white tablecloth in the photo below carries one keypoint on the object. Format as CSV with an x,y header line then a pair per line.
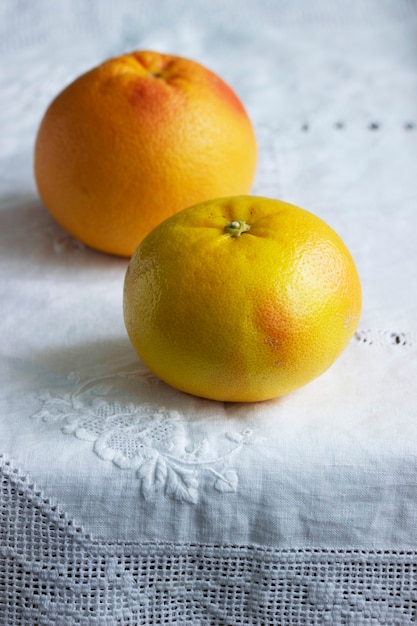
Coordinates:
x,y
124,501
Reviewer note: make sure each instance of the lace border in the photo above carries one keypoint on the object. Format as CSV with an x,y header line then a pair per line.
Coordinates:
x,y
54,573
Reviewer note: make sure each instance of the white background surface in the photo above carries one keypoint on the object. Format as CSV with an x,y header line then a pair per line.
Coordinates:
x,y
332,91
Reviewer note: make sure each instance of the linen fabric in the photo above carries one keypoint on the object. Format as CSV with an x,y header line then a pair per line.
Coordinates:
x,y
124,501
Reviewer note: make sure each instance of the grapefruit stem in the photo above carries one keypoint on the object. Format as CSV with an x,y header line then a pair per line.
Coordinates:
x,y
235,229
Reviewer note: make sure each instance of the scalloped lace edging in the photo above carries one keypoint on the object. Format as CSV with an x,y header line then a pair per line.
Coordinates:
x,y
54,573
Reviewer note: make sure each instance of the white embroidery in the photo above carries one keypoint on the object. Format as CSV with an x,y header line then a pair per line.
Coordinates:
x,y
63,243
170,457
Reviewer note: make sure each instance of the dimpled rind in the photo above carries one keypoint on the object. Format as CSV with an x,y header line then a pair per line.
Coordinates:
x,y
241,318
137,139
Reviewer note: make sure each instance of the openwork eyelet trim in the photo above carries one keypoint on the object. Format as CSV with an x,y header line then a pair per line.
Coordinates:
x,y
54,573
400,339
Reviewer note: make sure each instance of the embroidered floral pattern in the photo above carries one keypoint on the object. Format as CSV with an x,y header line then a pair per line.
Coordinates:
x,y
170,458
